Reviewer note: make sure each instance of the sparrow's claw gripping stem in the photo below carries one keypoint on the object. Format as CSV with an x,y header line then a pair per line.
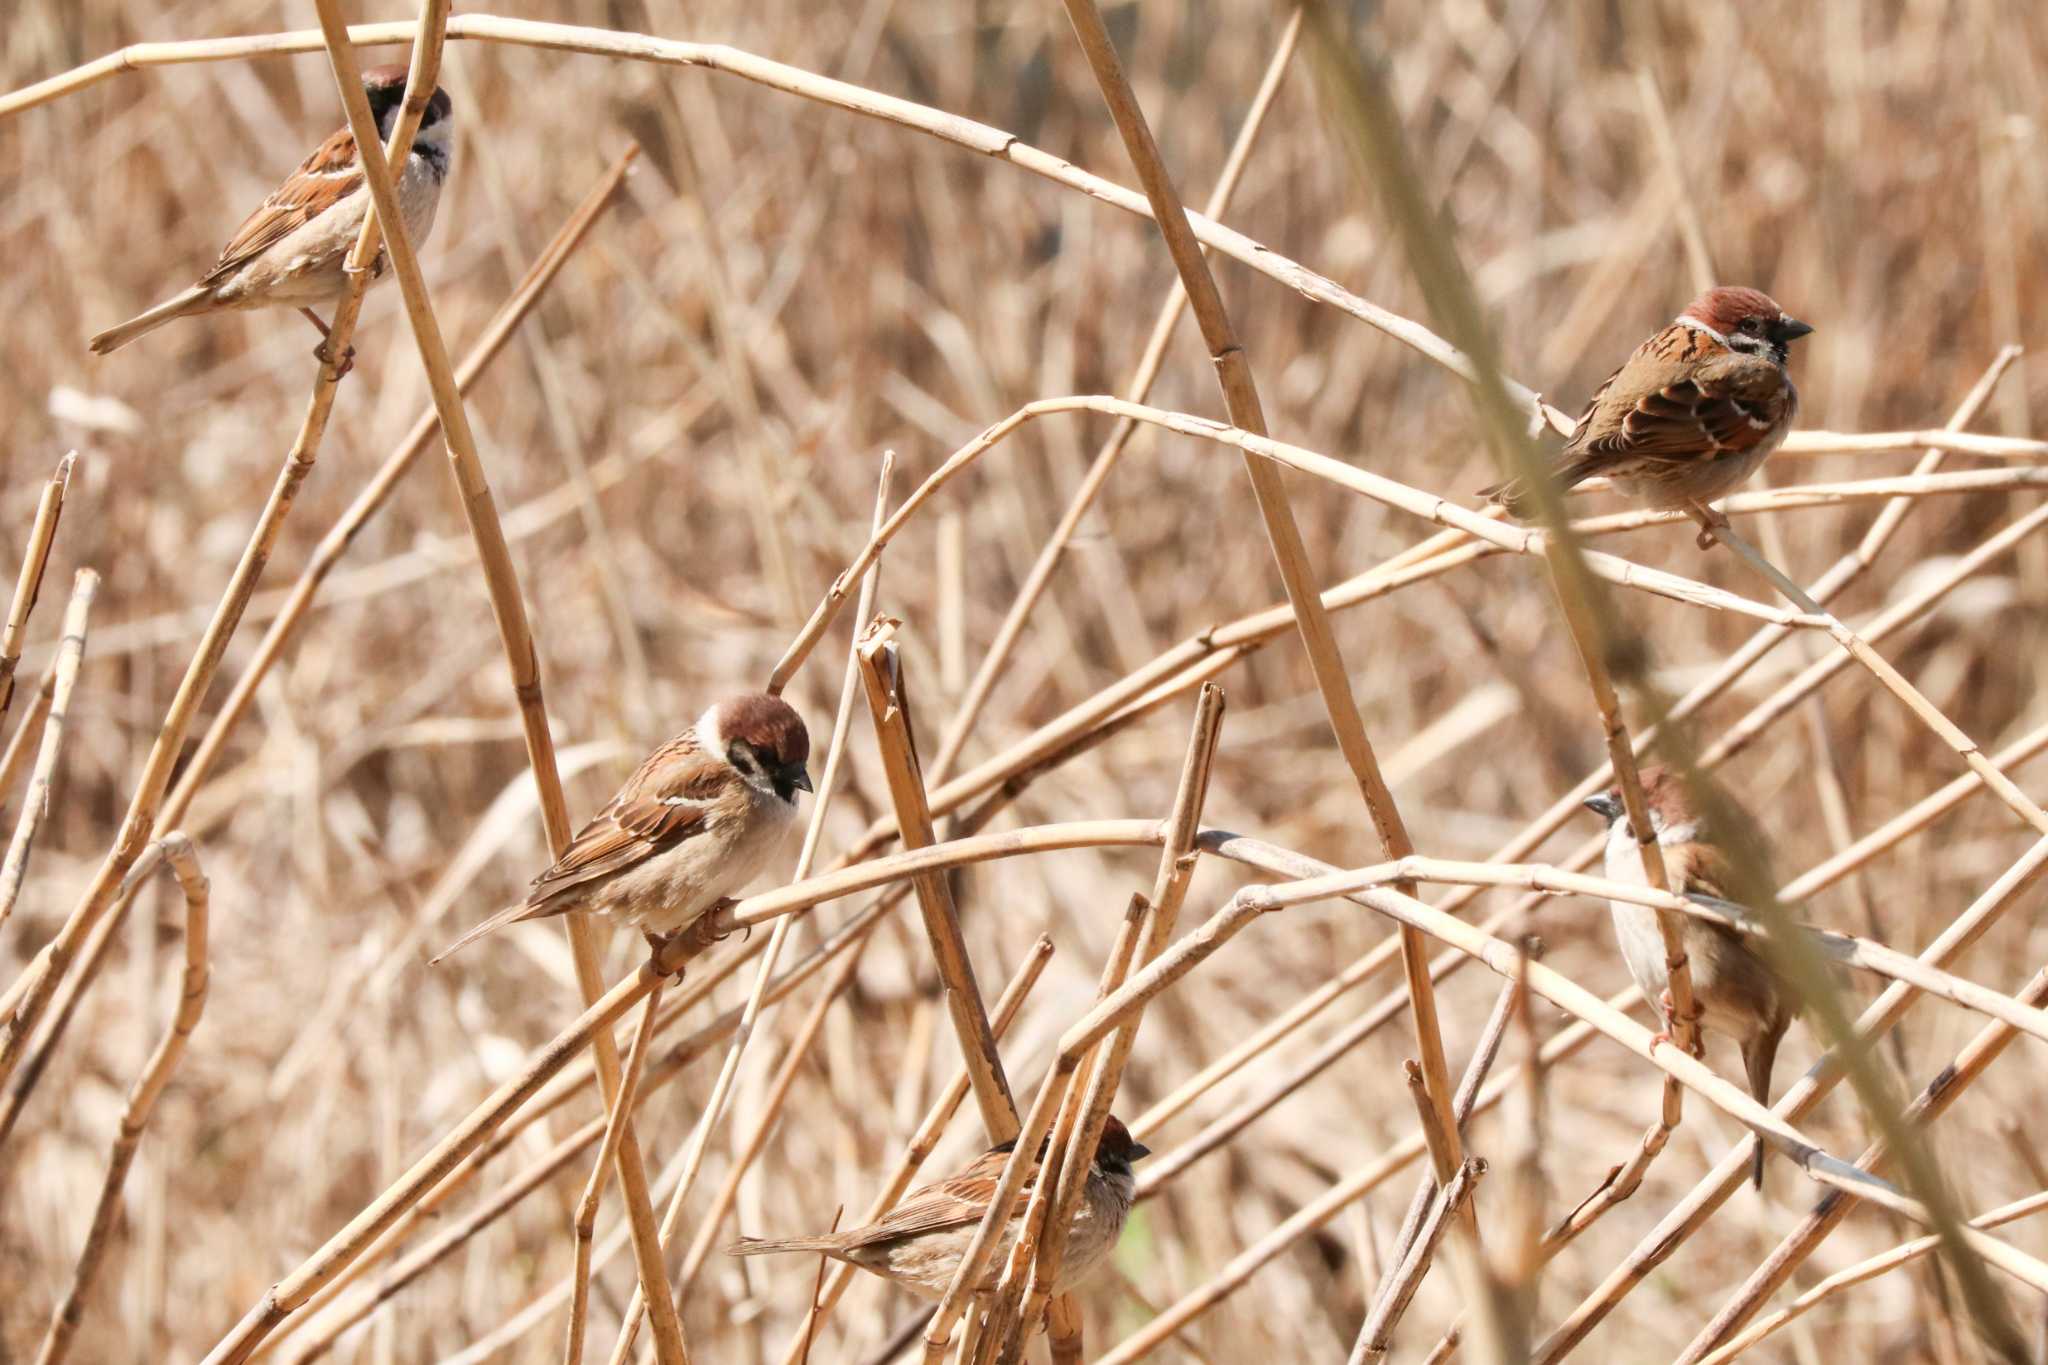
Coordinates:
x,y
321,352
1710,520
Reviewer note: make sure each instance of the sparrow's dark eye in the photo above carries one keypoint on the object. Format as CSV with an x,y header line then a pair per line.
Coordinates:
x,y
1750,325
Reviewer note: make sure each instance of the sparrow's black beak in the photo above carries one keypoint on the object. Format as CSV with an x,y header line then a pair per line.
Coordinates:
x,y
797,776
1604,806
1138,1152
1791,329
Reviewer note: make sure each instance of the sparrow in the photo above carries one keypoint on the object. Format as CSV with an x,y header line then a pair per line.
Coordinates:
x,y
697,821
289,253
919,1243
1691,415
1734,990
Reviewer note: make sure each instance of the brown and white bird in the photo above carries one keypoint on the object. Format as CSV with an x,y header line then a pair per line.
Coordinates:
x,y
698,821
919,1243
1691,415
289,253
1735,991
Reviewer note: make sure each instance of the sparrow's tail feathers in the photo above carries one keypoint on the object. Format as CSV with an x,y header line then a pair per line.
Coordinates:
x,y
1515,496
769,1246
1759,1056
114,338
511,914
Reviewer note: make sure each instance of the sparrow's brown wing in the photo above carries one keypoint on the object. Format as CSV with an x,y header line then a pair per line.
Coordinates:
x,y
1724,405
322,180
959,1200
667,801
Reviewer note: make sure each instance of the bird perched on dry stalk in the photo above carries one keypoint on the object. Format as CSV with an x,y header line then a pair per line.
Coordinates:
x,y
697,821
1691,415
289,253
1734,991
920,1242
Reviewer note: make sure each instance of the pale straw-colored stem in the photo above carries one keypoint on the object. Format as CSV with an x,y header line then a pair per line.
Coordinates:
x,y
176,852
881,675
1375,1337
35,802
593,1188
35,557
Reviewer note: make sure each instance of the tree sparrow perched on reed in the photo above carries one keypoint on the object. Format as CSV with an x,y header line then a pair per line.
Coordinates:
x,y
919,1243
697,822
1734,990
1691,415
289,253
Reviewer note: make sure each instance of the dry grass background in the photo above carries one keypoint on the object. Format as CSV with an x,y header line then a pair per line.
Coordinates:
x,y
784,291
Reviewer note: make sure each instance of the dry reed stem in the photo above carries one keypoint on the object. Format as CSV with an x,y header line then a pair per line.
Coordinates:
x,y
923,1139
175,851
1797,1245
1894,682
1089,1106
35,801
23,741
881,674
1427,1190
1375,1337
1862,1272
501,579
835,751
1732,1170
593,1188
35,557
1112,449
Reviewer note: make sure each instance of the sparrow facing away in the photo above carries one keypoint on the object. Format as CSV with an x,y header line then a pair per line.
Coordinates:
x,y
289,253
1691,415
919,1243
698,821
1734,990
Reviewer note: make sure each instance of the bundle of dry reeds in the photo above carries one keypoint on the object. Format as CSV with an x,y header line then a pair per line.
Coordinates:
x,y
1192,728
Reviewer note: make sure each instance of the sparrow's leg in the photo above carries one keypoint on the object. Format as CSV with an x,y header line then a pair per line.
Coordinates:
x,y
1699,1011
321,353
1710,520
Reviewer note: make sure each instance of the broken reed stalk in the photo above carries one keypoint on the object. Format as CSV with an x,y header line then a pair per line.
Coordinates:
x,y
35,557
501,578
1055,1202
1269,488
1428,1190
881,674
721,1090
35,801
1376,1336
175,851
1112,449
923,1139
593,1188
